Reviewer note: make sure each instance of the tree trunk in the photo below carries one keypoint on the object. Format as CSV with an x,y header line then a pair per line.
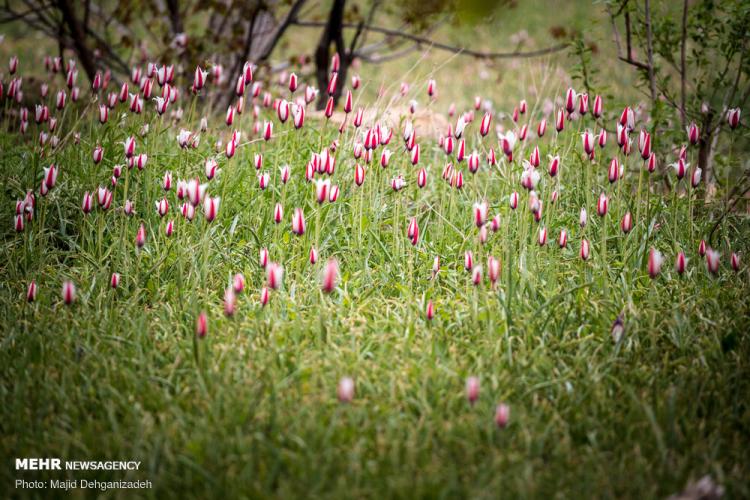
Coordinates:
x,y
78,35
333,32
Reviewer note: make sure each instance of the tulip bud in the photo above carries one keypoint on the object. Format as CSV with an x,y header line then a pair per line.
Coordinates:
x,y
476,275
680,262
68,292
542,236
712,260
562,241
626,224
330,276
502,415
693,133
31,291
298,222
655,261
472,389
735,261
345,390
140,237
733,118
169,229
560,121
597,110
201,325
602,205
702,248
585,249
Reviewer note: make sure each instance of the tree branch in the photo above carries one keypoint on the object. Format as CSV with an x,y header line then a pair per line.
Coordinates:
x,y
442,46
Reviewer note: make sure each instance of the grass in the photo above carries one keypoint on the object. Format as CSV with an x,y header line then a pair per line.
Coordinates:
x,y
251,409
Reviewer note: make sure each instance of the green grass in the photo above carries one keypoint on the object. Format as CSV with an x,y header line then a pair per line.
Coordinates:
x,y
251,410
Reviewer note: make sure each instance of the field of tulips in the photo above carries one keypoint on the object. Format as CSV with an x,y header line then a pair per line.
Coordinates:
x,y
395,297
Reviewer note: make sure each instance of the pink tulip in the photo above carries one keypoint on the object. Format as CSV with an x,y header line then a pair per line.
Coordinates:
x,y
480,213
712,260
626,224
476,275
274,275
472,389
31,291
735,261
541,128
583,104
702,248
169,228
733,118
345,390
680,263
468,260
68,292
542,236
570,100
502,415
602,204
413,231
597,110
330,276
313,257
484,126
211,208
140,237
655,261
562,241
201,325
114,280
693,133
86,206
554,166
585,249
493,269
298,222
162,207
560,121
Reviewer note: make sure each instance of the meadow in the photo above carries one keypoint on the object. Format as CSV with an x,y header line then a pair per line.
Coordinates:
x,y
277,303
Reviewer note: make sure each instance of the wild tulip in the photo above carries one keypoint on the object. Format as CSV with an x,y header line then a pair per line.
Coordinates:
x,y
267,130
627,118
491,159
129,146
398,183
356,81
230,302
431,88
18,223
560,121
473,162
263,257
284,173
348,102
570,100
583,217
415,155
626,224
602,205
484,126
210,208
585,249
169,228
141,160
542,236
274,275
140,237
613,173
50,176
330,276
195,191
483,235
313,256
514,200
332,82
129,207
359,174
98,154
263,180
293,82
702,248
733,118
162,207
680,263
298,222
448,145
655,261
554,166
68,293
413,231
495,223
283,111
345,390
385,157
695,177
358,116
541,128
618,329
333,193
597,109
86,206
435,266
735,261
31,291
321,189
588,142
651,165
583,104
693,133
476,275
502,415
298,116
201,325
114,280
680,168
468,260
493,269
430,311
422,178
264,296
480,213
457,180
712,260
562,241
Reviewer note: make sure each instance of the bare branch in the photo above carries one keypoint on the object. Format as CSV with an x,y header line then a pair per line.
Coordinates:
x,y
441,46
